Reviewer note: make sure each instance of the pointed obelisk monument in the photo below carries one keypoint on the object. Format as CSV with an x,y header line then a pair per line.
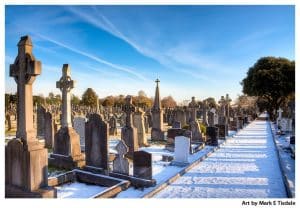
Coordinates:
x,y
157,116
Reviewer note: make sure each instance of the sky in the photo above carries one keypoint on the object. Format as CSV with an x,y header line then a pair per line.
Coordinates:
x,y
199,50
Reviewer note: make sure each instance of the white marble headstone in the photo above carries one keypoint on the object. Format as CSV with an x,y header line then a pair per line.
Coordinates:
x,y
182,149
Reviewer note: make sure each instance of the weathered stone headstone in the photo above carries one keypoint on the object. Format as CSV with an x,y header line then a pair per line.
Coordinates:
x,y
26,160
79,126
182,150
121,163
41,111
113,126
157,116
142,165
50,130
138,122
194,125
176,125
211,130
180,116
146,124
67,151
129,132
96,142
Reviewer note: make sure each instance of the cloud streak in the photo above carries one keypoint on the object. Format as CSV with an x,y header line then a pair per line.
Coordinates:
x,y
93,57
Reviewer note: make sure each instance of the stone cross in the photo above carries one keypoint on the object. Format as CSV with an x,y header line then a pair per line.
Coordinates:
x,y
24,70
121,163
222,103
66,84
193,105
128,108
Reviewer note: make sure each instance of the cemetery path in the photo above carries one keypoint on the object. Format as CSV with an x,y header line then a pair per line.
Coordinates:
x,y
245,167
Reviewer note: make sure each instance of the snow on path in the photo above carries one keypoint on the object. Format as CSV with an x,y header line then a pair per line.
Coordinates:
x,y
245,167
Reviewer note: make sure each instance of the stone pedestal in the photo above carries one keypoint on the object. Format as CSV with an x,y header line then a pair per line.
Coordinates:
x,y
212,136
67,152
26,169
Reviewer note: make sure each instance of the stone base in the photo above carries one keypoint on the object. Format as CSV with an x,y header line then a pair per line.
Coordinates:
x,y
26,165
157,135
16,192
66,162
212,136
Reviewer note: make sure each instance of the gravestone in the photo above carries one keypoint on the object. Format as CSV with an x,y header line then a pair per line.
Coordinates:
x,y
121,163
180,117
26,159
142,165
182,150
96,142
50,130
138,122
129,132
41,111
113,126
67,151
79,126
211,130
176,125
157,117
172,133
204,113
146,124
194,125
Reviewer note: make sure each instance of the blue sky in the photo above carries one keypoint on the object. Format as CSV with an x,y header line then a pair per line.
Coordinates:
x,y
201,51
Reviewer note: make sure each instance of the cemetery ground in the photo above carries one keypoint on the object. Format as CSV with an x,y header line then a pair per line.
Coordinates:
x,y
228,172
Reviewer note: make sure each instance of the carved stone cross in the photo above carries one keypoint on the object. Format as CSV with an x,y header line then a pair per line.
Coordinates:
x,y
66,84
24,70
193,105
128,108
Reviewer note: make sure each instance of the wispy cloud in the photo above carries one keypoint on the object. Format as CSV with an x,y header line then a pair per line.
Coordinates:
x,y
93,57
173,58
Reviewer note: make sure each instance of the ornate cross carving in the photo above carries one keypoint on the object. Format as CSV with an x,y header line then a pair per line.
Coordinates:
x,y
24,70
128,108
66,84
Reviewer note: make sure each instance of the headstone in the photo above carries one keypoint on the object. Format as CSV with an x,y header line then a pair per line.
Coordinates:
x,y
113,126
121,163
146,124
204,113
26,159
212,136
96,142
138,122
194,125
129,132
157,117
176,125
79,126
182,149
180,116
41,111
142,165
49,130
174,132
